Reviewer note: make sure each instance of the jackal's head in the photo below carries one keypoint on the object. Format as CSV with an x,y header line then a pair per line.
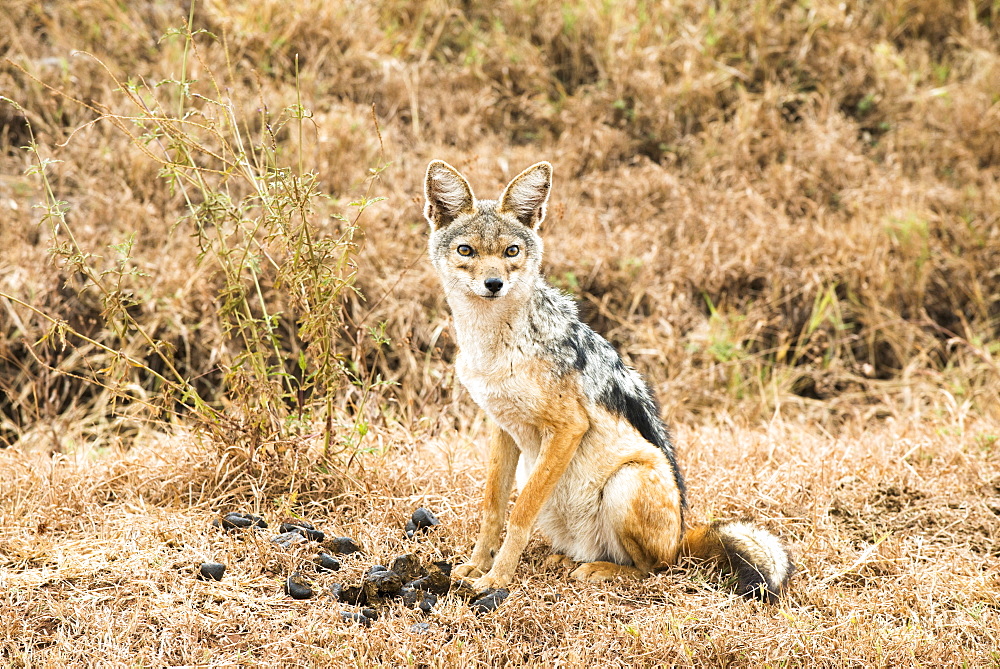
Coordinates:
x,y
486,248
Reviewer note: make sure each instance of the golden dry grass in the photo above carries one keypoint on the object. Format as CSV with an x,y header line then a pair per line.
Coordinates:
x,y
785,214
894,528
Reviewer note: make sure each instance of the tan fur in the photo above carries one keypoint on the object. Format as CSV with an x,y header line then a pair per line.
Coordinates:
x,y
575,428
560,421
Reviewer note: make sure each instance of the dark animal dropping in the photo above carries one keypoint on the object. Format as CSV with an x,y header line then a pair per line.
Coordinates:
x,y
356,617
305,529
343,546
408,567
297,588
326,562
211,571
235,520
430,599
352,594
435,582
381,584
420,521
489,601
288,539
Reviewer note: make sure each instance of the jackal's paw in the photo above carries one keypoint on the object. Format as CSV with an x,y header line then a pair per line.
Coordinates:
x,y
603,571
491,580
558,560
467,570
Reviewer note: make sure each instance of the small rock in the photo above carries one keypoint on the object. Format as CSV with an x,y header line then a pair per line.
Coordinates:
x,y
236,520
326,562
409,595
343,546
307,530
463,590
444,566
420,628
375,568
435,582
211,571
288,539
489,600
408,567
370,613
257,520
233,521
352,594
428,602
297,587
356,617
379,585
421,520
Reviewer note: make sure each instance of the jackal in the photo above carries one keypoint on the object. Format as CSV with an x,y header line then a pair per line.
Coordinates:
x,y
578,429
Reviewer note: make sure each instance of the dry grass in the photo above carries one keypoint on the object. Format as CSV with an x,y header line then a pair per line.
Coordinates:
x,y
894,529
784,214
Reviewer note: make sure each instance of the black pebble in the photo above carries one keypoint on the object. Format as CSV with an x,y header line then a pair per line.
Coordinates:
x,y
369,613
297,588
211,571
352,594
343,546
232,521
410,596
374,569
236,520
288,539
463,590
409,567
326,562
357,617
420,520
489,600
381,584
435,582
305,529
428,602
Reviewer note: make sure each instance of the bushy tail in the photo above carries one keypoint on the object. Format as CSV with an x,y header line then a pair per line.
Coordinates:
x,y
759,560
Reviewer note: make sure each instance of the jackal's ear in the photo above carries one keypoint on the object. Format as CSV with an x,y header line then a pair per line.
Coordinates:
x,y
448,194
526,195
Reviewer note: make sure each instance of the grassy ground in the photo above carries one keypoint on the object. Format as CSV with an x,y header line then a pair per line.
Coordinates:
x,y
894,529
784,214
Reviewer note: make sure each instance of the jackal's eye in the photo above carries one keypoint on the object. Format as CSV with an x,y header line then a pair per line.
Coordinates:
x,y
512,251
464,250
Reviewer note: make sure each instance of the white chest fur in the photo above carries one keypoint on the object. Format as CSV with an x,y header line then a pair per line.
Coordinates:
x,y
502,388
500,371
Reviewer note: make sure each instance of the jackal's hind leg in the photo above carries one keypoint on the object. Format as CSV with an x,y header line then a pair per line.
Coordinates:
x,y
557,560
642,505
604,571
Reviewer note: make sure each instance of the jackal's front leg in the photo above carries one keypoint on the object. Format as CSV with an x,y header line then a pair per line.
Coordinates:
x,y
499,480
560,440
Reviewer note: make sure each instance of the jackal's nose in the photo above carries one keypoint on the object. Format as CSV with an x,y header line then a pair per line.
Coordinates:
x,y
493,284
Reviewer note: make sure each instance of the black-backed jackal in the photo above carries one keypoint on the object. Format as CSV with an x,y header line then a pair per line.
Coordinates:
x,y
578,429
